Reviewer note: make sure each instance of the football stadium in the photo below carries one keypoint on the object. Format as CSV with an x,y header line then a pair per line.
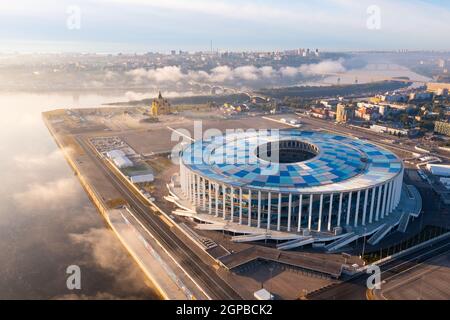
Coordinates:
x,y
305,184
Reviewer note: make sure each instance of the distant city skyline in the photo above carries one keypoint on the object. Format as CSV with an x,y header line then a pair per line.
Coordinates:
x,y
162,25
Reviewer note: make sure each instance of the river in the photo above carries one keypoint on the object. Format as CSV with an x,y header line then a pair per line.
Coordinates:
x,y
47,222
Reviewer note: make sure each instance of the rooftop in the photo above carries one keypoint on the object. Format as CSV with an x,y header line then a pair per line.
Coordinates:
x,y
338,164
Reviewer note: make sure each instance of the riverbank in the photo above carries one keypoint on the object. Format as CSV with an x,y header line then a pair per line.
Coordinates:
x,y
151,257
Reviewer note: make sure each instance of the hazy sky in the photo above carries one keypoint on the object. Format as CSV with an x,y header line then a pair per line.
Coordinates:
x,y
162,25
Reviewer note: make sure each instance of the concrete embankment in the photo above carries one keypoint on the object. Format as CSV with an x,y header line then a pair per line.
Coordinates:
x,y
156,263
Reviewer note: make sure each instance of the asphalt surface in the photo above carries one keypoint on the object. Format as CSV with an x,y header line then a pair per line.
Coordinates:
x,y
356,288
375,137
202,272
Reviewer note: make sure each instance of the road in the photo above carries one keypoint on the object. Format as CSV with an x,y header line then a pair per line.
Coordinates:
x,y
356,288
365,134
200,271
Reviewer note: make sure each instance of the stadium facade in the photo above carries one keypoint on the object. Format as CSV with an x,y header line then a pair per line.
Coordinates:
x,y
291,181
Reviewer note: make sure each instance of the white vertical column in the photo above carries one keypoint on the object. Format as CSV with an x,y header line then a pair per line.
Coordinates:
x,y
232,203
204,193
399,189
372,205
377,215
289,212
319,226
196,195
216,187
357,208
210,197
240,205
249,221
259,209
330,213
311,196
188,190
300,208
391,205
366,198
224,213
269,207
279,213
392,196
396,192
190,187
340,209
349,208
388,199
383,207
194,192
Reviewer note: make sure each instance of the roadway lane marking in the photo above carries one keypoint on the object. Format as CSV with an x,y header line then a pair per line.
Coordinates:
x,y
121,187
179,133
153,205
361,136
420,264
138,203
168,253
285,123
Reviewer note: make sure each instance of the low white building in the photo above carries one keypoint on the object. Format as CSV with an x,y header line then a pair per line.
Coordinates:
x,y
122,162
115,154
119,158
142,178
439,169
386,129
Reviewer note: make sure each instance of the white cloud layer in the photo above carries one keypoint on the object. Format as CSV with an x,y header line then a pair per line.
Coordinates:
x,y
52,195
225,74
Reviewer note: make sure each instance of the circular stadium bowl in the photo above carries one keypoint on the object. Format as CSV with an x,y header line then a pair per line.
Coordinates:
x,y
291,180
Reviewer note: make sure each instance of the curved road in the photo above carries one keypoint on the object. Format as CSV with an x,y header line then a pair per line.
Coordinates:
x,y
356,288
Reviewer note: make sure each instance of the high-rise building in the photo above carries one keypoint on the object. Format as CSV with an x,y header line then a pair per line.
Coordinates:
x,y
343,113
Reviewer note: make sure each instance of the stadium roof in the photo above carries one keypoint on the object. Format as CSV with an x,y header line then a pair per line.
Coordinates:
x,y
342,163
